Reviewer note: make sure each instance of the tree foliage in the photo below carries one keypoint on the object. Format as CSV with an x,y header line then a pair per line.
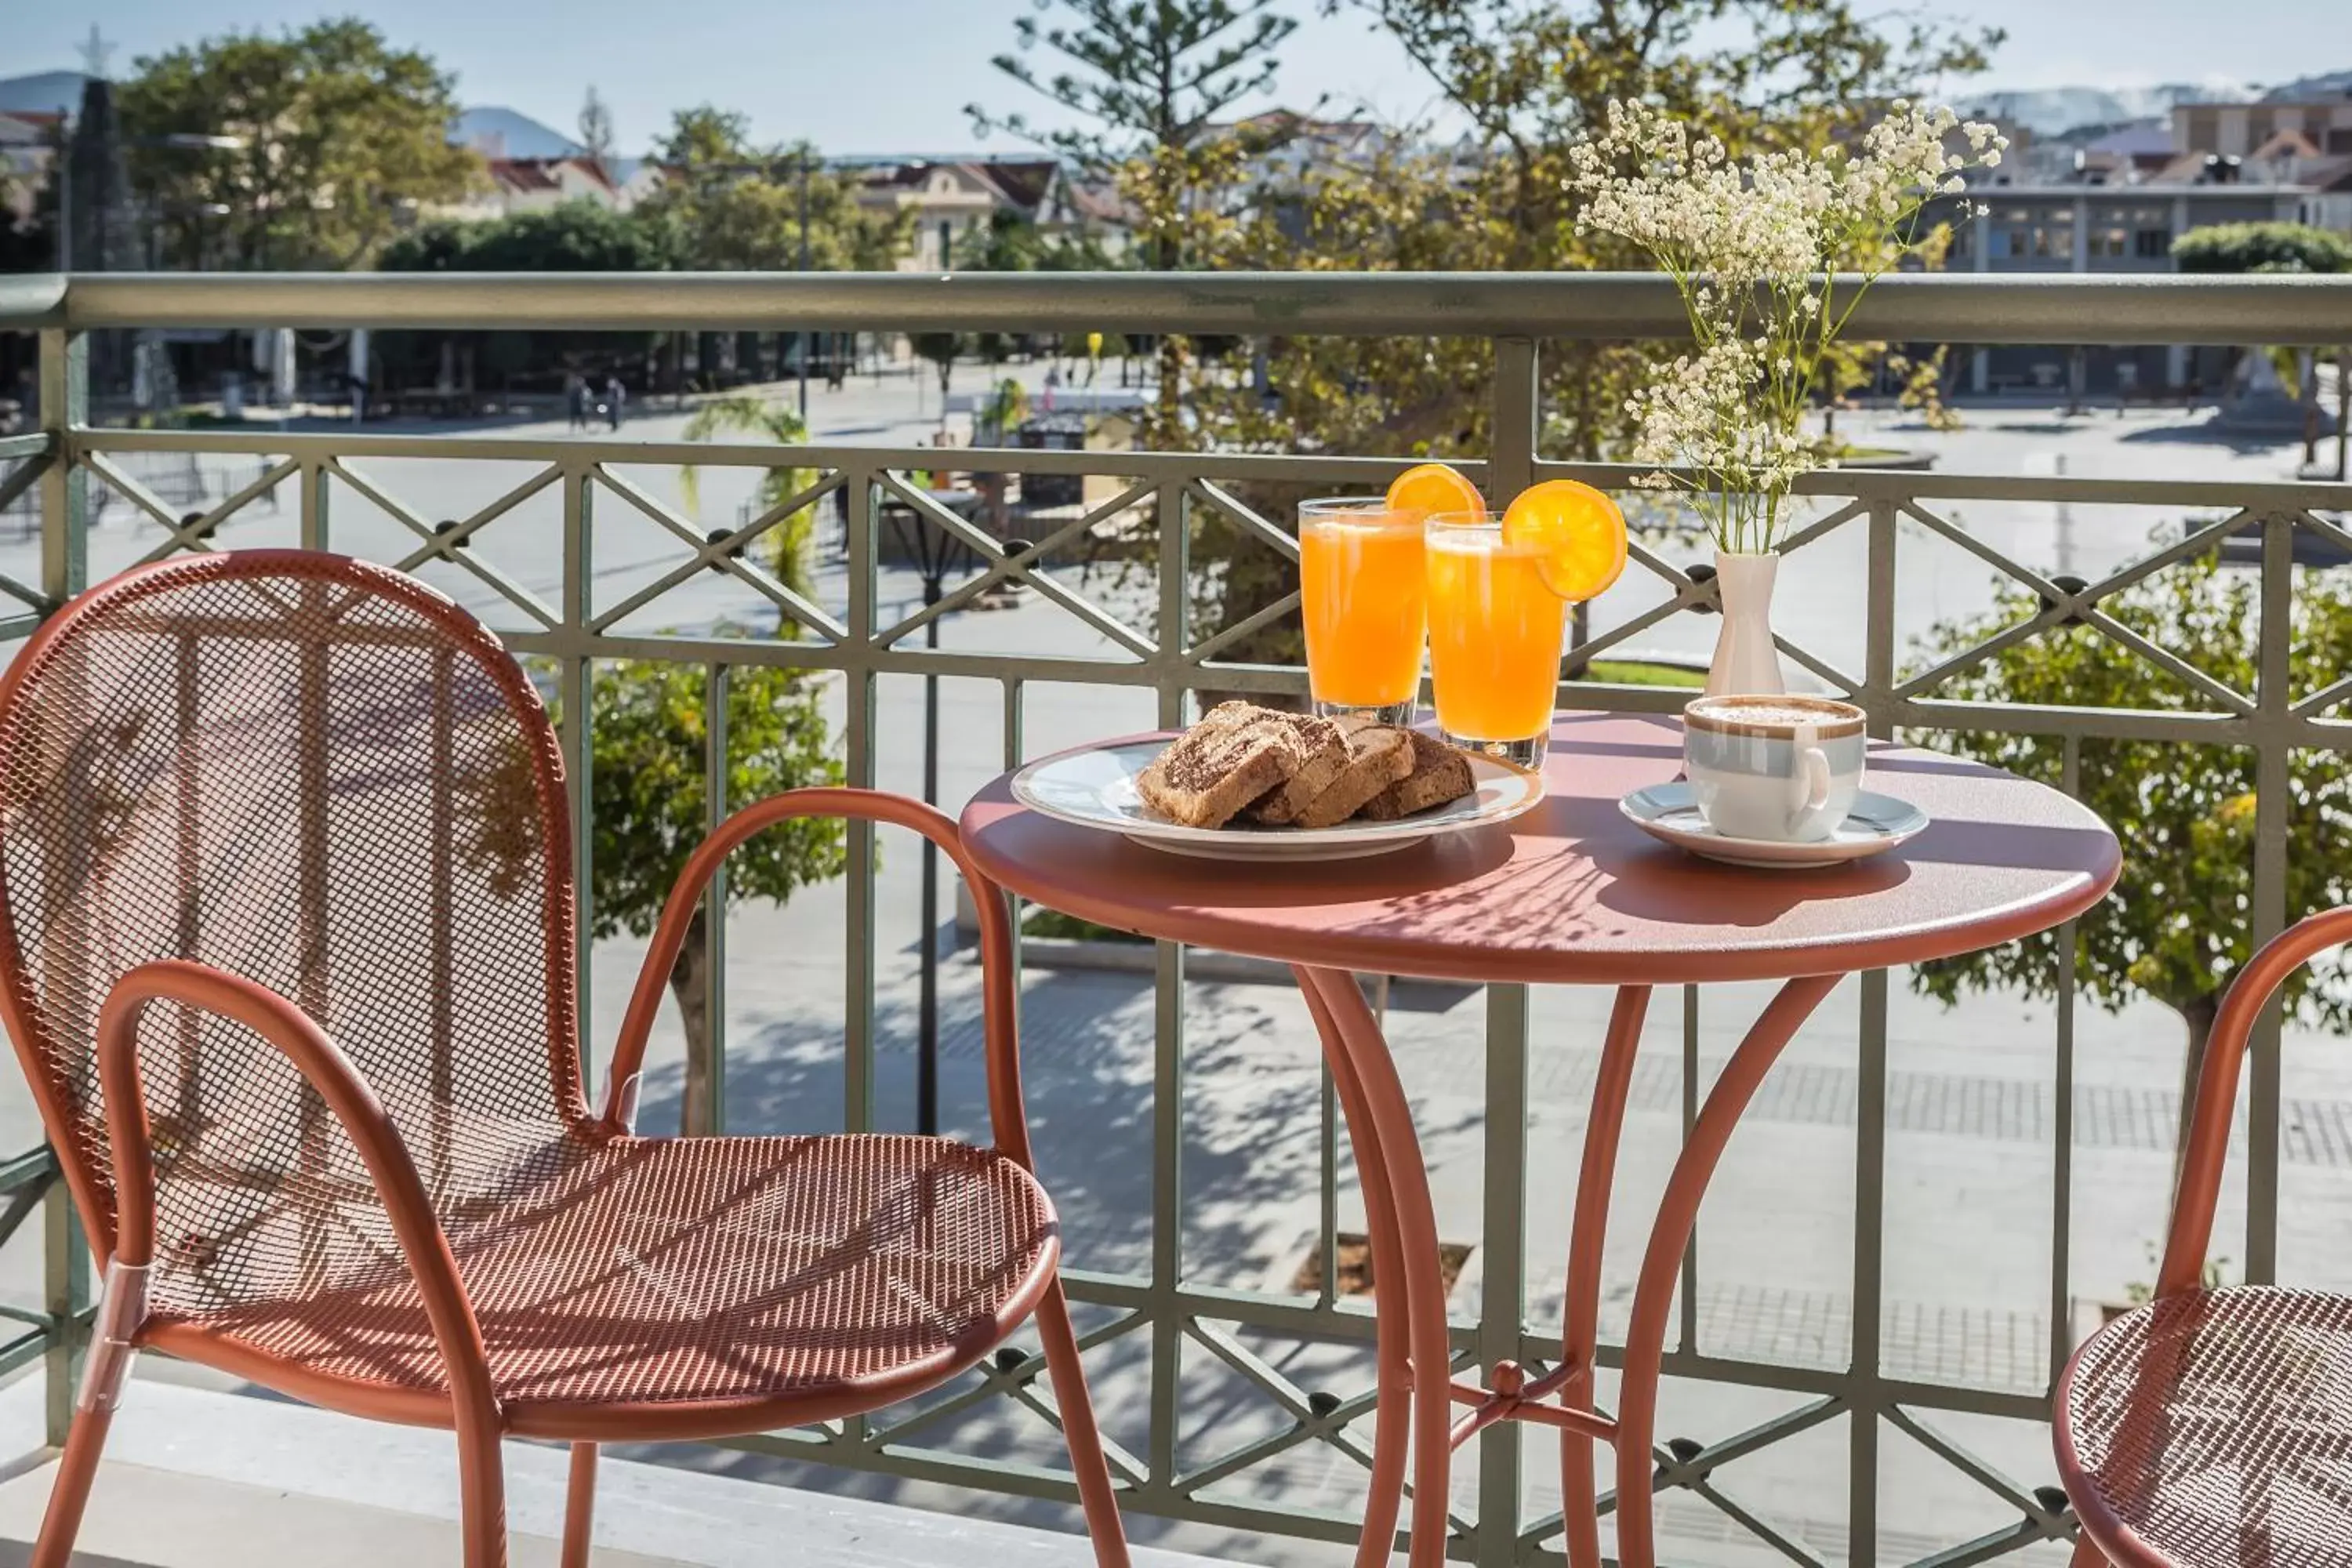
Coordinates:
x,y
650,721
2262,248
737,205
339,137
2178,927
786,545
1147,79
574,236
596,126
1011,241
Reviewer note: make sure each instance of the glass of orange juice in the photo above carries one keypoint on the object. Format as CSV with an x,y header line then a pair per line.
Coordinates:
x,y
1364,590
1495,632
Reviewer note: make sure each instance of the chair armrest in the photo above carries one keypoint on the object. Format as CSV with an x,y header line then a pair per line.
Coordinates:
x,y
2217,1089
1008,1117
330,1072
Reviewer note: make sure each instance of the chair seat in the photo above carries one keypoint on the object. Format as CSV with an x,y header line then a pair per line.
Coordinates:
x,y
2215,1427
638,1287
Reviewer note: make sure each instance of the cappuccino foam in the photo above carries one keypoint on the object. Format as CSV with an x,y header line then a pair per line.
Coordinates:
x,y
1773,713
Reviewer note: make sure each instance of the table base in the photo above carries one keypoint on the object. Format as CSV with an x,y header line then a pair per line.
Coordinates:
x,y
1409,1315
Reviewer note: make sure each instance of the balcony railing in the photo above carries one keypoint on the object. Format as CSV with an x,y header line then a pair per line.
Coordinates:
x,y
1143,635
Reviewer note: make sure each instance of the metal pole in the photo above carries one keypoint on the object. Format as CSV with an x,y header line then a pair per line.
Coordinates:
x,y
926,1045
805,267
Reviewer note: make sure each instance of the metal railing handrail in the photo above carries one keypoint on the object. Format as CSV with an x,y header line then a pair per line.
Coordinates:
x,y
1939,308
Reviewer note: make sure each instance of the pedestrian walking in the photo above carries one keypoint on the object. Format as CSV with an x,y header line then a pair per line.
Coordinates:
x,y
575,399
614,395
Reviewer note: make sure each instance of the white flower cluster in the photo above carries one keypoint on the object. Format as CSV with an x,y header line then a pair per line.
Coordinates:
x,y
1770,254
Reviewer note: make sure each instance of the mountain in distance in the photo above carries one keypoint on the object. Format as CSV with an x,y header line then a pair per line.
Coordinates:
x,y
2053,110
2313,89
2049,110
496,132
43,93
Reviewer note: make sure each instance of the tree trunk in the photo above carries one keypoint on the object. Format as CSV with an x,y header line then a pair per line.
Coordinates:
x,y
688,982
2198,1016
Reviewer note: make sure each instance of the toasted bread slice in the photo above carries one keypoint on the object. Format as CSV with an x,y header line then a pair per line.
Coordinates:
x,y
1379,757
1440,773
1234,754
1324,745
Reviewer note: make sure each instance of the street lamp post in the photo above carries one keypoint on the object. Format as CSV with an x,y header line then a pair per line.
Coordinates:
x,y
805,267
935,555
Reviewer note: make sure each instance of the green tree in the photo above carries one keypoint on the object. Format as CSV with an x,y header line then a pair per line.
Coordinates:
x,y
1149,80
941,350
575,236
646,780
2177,927
2262,248
337,138
1011,241
2280,247
1532,79
596,131
787,544
649,726
736,205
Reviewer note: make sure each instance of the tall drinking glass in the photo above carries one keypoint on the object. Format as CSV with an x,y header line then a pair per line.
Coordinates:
x,y
1495,632
1365,598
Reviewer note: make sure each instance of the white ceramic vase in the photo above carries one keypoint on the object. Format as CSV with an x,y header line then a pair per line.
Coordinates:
x,y
1746,664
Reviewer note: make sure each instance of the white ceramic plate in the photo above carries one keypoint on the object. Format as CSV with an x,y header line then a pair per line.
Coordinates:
x,y
1877,823
1096,788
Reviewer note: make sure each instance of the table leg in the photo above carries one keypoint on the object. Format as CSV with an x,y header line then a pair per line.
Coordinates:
x,y
1637,1400
1579,1504
1409,1298
1393,1403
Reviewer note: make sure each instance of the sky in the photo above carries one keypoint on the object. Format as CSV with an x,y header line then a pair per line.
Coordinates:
x,y
893,76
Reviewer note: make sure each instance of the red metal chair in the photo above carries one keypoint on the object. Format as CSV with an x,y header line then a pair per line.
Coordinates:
x,y
2214,1426
287,952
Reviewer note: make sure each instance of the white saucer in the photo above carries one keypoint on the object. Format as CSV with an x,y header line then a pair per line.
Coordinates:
x,y
1096,788
1669,811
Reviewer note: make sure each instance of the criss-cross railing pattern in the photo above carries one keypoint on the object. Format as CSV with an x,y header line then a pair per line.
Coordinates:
x,y
1128,566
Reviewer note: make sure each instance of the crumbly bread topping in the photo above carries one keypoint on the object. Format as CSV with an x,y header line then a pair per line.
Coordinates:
x,y
1378,757
1323,744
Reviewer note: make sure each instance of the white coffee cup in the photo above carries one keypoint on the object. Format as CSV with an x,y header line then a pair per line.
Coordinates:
x,y
1781,769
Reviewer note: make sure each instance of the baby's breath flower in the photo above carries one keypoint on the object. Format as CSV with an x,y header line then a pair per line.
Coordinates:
x,y
1746,244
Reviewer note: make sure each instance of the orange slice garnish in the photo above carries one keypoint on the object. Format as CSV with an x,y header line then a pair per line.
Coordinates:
x,y
1577,532
1433,490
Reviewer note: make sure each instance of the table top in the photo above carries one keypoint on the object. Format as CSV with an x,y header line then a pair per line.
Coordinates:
x,y
1574,893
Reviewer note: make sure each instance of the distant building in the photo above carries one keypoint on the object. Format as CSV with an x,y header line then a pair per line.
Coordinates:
x,y
952,198
535,185
2239,129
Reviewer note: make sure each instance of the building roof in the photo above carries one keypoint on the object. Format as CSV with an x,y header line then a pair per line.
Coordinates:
x,y
1024,183
522,174
2151,140
2287,144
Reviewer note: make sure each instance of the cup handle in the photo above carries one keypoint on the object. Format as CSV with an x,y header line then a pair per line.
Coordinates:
x,y
1813,782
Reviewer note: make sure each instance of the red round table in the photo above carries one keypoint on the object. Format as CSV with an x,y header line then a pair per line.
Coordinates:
x,y
1571,893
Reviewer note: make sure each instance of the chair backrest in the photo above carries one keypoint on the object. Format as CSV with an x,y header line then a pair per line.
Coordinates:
x,y
318,774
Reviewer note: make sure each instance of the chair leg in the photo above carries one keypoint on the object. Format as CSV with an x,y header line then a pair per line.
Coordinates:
x,y
580,1506
1079,1431
482,1496
2086,1555
71,1492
